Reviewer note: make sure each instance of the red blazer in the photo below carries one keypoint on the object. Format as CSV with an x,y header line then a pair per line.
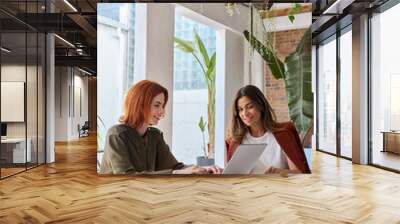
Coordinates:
x,y
289,140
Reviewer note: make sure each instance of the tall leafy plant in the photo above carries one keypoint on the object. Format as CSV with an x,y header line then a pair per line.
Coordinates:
x,y
296,73
202,126
207,65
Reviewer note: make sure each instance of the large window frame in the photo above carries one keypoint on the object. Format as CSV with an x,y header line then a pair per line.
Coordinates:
x,y
186,84
334,37
344,31
37,132
381,9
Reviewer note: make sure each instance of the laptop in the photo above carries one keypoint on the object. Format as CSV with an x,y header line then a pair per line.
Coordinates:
x,y
244,159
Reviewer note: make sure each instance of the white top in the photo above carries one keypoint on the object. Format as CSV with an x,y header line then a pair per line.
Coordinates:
x,y
273,155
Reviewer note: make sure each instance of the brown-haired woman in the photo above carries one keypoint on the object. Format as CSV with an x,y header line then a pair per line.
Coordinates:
x,y
253,122
134,147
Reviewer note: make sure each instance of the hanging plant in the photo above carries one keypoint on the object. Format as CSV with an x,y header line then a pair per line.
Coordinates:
x,y
232,8
295,70
296,8
296,73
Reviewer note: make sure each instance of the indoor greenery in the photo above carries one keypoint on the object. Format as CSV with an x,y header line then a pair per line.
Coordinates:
x,y
202,126
295,70
207,65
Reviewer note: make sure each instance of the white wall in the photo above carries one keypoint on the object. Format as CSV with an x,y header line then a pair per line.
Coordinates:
x,y
154,52
229,80
314,88
281,23
68,83
61,103
32,127
214,14
360,90
12,100
50,93
111,59
81,108
12,73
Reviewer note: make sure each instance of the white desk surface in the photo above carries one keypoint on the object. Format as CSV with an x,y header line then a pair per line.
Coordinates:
x,y
13,140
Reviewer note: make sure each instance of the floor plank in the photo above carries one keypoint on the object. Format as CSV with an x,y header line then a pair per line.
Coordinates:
x,y
70,191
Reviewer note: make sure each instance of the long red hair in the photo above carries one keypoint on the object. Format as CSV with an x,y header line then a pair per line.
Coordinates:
x,y
138,102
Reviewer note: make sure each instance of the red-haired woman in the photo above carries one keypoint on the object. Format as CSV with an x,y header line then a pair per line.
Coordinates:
x,y
134,147
253,122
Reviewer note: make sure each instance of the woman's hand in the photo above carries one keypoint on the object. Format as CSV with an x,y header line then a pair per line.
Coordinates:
x,y
199,170
214,169
272,169
191,170
282,172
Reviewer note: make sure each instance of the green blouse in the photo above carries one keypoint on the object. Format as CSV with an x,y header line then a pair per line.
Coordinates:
x,y
126,152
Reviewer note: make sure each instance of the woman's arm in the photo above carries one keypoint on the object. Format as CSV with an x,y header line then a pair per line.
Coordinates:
x,y
118,158
164,158
292,168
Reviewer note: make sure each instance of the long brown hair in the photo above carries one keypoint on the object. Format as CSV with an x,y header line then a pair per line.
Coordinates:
x,y
238,128
138,102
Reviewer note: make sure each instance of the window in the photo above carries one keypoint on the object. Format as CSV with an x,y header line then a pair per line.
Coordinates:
x,y
190,92
22,78
327,96
116,36
111,11
385,88
394,101
346,94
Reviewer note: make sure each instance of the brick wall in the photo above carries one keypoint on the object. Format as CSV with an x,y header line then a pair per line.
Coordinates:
x,y
286,43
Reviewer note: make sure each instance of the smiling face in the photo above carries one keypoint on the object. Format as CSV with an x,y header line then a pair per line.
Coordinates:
x,y
157,110
248,111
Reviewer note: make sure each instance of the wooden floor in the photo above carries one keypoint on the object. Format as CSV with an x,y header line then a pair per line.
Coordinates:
x,y
70,191
10,171
387,159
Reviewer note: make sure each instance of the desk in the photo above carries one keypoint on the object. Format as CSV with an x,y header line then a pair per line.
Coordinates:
x,y
391,141
13,150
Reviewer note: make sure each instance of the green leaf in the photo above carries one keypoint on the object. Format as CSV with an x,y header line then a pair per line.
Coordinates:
x,y
291,18
296,8
208,69
184,45
201,47
275,65
202,124
298,84
210,75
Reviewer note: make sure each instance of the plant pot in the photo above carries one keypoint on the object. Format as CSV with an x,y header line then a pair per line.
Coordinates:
x,y
204,161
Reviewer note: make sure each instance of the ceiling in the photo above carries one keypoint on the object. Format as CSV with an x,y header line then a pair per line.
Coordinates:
x,y
75,21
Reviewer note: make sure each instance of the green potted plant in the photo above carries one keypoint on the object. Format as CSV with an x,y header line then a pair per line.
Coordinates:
x,y
204,160
207,65
295,70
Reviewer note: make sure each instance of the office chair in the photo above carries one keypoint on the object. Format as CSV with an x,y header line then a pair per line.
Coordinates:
x,y
84,130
